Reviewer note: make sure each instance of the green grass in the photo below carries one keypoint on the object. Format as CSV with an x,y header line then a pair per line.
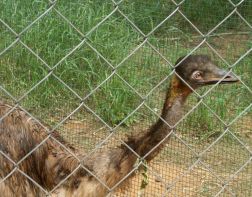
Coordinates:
x,y
205,14
52,38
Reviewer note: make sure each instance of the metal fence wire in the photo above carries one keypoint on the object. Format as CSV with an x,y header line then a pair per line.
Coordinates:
x,y
96,72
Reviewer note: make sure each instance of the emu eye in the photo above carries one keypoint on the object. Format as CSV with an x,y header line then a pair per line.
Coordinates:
x,y
197,75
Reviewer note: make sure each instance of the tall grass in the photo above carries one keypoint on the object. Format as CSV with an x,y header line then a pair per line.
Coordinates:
x,y
205,14
52,38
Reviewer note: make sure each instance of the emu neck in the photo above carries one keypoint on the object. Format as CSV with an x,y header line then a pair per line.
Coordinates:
x,y
175,98
172,112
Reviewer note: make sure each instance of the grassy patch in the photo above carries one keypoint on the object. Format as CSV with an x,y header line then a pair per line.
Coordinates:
x,y
52,38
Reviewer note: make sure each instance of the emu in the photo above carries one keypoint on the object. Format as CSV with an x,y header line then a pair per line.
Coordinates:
x,y
49,164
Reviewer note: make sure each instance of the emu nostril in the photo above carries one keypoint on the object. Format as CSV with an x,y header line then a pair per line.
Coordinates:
x,y
231,78
228,77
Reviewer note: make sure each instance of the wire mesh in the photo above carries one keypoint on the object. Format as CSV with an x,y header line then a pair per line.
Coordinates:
x,y
97,71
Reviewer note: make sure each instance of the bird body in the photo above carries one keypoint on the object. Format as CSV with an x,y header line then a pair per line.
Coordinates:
x,y
33,162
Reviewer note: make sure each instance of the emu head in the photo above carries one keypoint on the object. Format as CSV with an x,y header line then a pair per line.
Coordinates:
x,y
199,70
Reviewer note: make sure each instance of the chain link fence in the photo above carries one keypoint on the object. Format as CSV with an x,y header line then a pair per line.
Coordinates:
x,y
97,71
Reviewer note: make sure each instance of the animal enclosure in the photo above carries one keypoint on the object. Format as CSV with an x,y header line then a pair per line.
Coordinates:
x,y
97,72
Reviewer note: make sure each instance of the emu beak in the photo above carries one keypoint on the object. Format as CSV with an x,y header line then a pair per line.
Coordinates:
x,y
217,75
